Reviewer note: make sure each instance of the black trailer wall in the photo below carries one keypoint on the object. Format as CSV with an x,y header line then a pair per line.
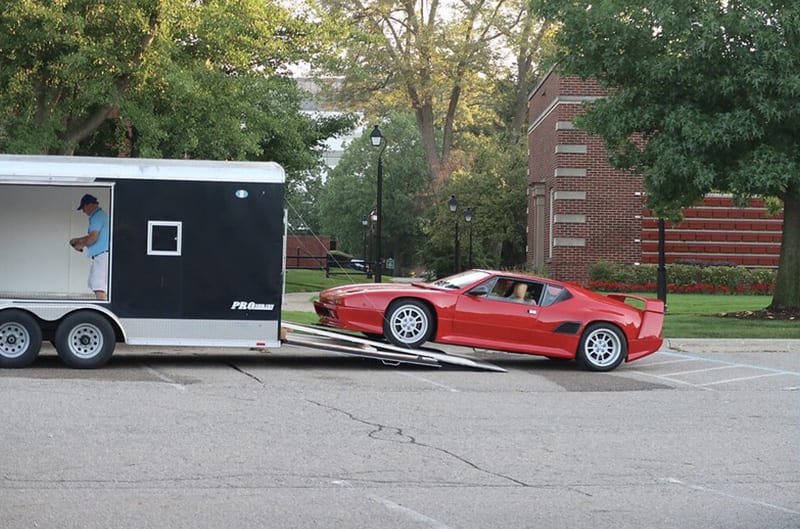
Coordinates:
x,y
229,262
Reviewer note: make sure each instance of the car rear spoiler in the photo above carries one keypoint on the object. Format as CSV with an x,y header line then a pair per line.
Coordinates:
x,y
652,314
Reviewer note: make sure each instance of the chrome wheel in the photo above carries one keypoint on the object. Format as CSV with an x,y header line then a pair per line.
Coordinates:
x,y
20,339
85,340
602,347
408,323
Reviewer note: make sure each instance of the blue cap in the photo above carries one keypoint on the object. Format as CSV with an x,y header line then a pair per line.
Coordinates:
x,y
87,199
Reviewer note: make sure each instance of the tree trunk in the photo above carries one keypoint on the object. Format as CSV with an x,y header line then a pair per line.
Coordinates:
x,y
425,122
787,282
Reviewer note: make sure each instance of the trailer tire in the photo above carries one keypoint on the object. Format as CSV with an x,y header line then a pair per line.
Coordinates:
x,y
85,340
20,339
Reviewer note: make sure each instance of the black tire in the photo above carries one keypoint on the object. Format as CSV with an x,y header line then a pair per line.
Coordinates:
x,y
408,323
602,348
20,338
85,340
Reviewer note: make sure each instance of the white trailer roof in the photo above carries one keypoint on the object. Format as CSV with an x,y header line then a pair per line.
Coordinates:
x,y
37,168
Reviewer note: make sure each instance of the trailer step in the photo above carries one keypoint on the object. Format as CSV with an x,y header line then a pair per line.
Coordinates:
x,y
337,342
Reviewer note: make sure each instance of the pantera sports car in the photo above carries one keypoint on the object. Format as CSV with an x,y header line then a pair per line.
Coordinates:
x,y
501,311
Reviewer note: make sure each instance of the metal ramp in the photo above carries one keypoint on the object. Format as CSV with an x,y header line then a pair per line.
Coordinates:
x,y
346,344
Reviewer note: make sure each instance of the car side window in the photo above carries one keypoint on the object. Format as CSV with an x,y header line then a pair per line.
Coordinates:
x,y
515,291
553,294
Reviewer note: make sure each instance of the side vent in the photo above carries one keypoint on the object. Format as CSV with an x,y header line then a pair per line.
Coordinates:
x,y
568,327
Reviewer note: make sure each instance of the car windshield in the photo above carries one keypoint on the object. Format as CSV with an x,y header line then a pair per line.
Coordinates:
x,y
461,280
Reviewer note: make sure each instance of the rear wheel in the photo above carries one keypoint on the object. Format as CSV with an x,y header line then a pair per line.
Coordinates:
x,y
85,340
602,347
408,323
20,338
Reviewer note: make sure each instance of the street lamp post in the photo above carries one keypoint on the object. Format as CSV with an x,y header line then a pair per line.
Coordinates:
x,y
376,138
365,224
453,205
468,216
661,271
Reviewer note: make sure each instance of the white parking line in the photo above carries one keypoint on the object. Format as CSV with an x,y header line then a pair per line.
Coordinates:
x,y
740,499
673,380
666,362
409,513
423,379
733,364
164,378
698,371
742,378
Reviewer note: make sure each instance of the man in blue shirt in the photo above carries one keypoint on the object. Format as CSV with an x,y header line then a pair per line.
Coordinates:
x,y
96,243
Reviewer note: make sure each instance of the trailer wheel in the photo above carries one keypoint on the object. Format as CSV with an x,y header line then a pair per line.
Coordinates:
x,y
85,340
20,338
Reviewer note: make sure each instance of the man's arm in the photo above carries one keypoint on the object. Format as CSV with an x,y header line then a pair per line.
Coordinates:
x,y
79,243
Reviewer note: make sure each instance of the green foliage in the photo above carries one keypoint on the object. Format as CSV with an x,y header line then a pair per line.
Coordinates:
x,y
702,97
437,61
350,193
165,78
681,278
495,189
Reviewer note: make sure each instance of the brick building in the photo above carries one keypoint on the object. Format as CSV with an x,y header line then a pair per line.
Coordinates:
x,y
581,210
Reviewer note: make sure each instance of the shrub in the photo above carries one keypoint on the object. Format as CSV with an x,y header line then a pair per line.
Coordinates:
x,y
683,278
338,258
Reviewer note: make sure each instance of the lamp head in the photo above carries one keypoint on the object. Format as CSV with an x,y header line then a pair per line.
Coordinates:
x,y
453,204
376,137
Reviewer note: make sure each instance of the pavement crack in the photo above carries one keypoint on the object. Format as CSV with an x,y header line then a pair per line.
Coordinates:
x,y
245,373
393,434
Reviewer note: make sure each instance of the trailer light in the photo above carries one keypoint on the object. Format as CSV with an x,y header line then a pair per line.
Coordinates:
x,y
241,193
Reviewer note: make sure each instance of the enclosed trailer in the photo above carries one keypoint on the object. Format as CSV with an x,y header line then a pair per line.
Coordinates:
x,y
195,257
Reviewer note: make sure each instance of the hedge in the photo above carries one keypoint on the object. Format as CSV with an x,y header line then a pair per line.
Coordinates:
x,y
681,278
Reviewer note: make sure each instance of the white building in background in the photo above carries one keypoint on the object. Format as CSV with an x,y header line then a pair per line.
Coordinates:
x,y
316,106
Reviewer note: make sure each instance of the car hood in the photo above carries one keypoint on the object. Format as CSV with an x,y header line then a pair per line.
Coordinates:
x,y
363,288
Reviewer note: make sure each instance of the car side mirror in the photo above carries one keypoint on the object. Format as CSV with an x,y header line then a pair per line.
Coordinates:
x,y
478,291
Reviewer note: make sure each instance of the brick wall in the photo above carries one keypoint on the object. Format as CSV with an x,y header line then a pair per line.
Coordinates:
x,y
717,230
307,251
581,210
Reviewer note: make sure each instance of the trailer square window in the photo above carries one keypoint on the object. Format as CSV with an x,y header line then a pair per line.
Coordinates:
x,y
164,237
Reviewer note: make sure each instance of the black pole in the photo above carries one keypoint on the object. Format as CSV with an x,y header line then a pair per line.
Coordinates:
x,y
470,245
661,275
457,257
379,211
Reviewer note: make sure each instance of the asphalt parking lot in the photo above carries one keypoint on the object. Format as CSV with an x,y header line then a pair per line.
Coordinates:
x,y
701,435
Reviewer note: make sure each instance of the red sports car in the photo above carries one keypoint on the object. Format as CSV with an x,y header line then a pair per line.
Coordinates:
x,y
501,311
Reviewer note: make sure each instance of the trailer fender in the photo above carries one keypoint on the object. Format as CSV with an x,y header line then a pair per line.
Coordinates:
x,y
55,312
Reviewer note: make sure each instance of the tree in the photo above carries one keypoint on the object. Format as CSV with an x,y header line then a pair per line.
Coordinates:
x,y
350,192
702,96
163,78
426,57
494,188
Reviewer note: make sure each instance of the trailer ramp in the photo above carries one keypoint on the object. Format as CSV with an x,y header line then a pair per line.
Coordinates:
x,y
316,338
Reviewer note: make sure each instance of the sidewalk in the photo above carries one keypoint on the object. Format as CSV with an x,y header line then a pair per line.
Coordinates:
x,y
730,345
299,301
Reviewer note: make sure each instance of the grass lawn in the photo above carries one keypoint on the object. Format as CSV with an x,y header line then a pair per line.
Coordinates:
x,y
697,316
688,315
315,280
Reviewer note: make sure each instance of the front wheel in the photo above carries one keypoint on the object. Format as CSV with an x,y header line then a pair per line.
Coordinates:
x,y
602,347
20,339
408,323
85,340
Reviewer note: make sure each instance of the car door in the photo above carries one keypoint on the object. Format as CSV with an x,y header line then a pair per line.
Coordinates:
x,y
493,319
